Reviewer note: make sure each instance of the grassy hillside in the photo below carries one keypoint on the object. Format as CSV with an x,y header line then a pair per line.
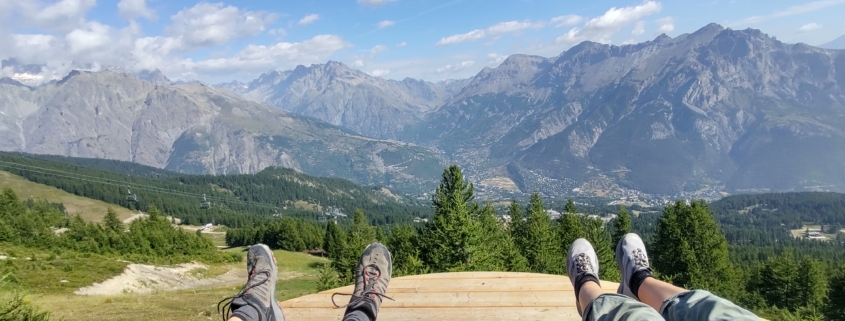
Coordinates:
x,y
236,200
88,209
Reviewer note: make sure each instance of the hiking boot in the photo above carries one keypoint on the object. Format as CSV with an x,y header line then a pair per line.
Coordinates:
x,y
257,300
632,260
582,266
372,277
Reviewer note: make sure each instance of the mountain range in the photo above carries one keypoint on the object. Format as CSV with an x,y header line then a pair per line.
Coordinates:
x,y
195,128
721,109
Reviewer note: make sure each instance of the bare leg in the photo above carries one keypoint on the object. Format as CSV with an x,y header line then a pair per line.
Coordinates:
x,y
654,292
235,319
589,292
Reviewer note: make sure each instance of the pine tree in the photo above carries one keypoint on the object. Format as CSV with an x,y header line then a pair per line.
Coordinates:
x,y
111,222
690,249
569,228
496,250
812,284
542,250
328,278
450,235
518,227
402,242
600,239
777,281
621,225
334,241
570,207
834,308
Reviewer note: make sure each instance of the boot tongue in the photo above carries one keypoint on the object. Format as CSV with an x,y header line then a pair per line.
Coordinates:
x,y
372,272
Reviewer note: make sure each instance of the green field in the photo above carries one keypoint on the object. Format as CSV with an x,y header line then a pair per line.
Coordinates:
x,y
297,277
88,209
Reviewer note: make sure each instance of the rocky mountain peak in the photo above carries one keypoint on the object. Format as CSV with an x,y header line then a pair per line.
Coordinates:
x,y
153,76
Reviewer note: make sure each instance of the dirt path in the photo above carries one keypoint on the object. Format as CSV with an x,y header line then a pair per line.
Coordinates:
x,y
142,278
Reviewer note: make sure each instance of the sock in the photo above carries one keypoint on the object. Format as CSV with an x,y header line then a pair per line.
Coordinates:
x,y
584,279
637,280
357,315
247,313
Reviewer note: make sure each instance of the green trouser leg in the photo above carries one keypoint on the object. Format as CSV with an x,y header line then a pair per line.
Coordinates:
x,y
702,305
697,305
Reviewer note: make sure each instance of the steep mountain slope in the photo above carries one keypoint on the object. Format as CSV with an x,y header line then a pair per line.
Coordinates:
x,y
334,93
838,43
715,107
194,128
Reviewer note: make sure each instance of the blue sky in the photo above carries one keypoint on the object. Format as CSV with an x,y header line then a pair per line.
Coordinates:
x,y
430,39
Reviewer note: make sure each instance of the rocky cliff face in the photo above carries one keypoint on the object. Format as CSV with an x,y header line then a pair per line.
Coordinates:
x,y
715,107
194,128
334,93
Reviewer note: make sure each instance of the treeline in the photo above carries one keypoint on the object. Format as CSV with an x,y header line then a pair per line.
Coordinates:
x,y
39,224
290,234
801,280
236,200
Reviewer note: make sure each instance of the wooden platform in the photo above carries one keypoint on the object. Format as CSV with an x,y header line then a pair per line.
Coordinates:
x,y
461,296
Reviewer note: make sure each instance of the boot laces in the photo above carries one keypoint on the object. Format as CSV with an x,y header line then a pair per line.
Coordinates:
x,y
226,303
583,263
370,292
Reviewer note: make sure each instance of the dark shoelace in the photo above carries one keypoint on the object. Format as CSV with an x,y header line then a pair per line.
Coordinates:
x,y
369,289
226,309
640,259
583,264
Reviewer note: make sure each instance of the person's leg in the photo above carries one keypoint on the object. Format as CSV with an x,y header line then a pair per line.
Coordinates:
x,y
672,302
372,277
257,299
592,302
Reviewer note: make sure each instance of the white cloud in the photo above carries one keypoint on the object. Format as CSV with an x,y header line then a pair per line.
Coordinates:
x,y
377,50
492,31
374,3
791,11
207,25
665,25
495,59
401,44
459,38
133,9
566,20
809,27
386,23
358,63
380,72
456,67
602,28
308,19
260,58
279,32
62,15
639,28
92,37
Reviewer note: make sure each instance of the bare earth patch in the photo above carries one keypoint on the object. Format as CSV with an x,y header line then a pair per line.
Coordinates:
x,y
142,278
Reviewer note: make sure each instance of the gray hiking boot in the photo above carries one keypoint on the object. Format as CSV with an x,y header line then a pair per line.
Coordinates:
x,y
257,300
581,265
372,277
631,258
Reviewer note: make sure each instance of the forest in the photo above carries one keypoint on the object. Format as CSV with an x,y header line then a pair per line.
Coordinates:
x,y
749,257
236,200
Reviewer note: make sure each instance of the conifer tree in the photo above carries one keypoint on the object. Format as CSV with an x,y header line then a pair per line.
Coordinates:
x,y
496,250
570,207
569,228
111,222
518,227
450,235
621,225
600,239
402,242
834,308
812,284
542,249
328,278
334,241
777,281
690,249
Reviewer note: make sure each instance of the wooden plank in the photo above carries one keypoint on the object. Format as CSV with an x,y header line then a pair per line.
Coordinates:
x,y
522,284
473,275
450,299
465,314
